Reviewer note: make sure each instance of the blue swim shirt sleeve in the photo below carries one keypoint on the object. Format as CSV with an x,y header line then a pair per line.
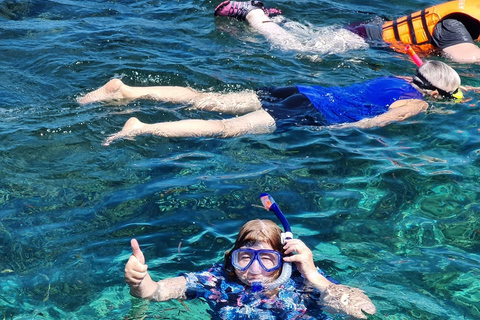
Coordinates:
x,y
359,101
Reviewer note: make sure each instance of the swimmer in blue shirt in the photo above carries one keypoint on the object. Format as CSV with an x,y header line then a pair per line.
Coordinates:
x,y
377,102
256,257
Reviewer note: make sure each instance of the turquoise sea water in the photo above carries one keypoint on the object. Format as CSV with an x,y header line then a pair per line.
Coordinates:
x,y
393,210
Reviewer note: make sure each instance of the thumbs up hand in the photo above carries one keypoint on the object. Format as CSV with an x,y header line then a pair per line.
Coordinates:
x,y
136,269
137,252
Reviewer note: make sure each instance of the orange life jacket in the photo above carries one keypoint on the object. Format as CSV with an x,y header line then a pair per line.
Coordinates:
x,y
417,28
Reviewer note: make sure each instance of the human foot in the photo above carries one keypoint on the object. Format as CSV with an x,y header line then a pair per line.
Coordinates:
x,y
240,9
112,90
132,128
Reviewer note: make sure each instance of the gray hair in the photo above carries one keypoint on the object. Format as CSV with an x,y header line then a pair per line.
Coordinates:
x,y
439,74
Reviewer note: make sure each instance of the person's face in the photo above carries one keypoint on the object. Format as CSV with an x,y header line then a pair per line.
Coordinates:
x,y
434,94
256,273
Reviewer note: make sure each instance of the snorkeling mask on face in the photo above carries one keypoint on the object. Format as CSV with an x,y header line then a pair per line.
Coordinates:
x,y
269,260
423,83
260,255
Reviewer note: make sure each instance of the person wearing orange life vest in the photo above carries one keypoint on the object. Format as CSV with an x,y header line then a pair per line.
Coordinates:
x,y
451,27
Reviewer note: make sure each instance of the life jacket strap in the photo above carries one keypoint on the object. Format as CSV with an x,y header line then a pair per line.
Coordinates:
x,y
425,27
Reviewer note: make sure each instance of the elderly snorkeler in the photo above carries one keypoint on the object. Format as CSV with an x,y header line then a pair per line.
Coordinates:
x,y
376,102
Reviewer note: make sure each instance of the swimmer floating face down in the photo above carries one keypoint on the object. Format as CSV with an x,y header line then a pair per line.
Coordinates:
x,y
265,111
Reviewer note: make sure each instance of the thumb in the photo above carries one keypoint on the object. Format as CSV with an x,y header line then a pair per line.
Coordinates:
x,y
136,251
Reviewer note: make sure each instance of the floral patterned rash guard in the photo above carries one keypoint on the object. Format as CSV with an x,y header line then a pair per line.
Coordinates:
x,y
233,300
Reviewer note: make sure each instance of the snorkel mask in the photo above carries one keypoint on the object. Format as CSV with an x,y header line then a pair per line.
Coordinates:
x,y
286,273
269,260
423,83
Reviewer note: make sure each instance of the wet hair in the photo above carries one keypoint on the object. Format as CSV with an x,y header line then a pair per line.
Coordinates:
x,y
254,231
436,75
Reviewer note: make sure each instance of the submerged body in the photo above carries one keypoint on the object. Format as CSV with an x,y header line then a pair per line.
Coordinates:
x,y
326,106
229,290
451,27
230,299
372,103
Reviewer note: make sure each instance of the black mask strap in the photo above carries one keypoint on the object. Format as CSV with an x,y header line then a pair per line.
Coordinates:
x,y
423,83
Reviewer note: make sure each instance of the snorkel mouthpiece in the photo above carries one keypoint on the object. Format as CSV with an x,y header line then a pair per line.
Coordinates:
x,y
257,286
458,95
416,59
270,205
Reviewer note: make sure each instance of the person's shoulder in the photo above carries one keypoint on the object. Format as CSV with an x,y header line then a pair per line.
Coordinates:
x,y
392,78
388,80
218,268
215,270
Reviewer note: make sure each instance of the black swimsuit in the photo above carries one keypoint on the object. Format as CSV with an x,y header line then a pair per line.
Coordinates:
x,y
290,106
450,32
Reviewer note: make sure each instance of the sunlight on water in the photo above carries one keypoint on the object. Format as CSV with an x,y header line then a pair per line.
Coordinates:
x,y
392,210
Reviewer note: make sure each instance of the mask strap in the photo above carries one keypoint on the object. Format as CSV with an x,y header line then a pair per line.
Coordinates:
x,y
423,83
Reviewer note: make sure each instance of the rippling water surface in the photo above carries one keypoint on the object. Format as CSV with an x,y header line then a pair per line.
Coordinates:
x,y
394,210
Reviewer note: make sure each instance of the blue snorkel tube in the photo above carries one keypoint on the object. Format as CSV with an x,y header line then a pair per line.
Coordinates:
x,y
271,205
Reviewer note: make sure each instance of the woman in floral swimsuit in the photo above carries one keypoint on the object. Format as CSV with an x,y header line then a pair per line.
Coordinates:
x,y
256,257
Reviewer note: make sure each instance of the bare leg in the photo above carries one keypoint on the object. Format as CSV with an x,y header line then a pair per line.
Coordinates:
x,y
116,90
296,37
257,122
231,103
270,30
302,39
257,17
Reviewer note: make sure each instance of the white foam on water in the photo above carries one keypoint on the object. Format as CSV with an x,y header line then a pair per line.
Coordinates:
x,y
306,38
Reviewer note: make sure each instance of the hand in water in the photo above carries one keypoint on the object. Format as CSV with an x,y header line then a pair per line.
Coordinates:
x,y
135,269
337,298
352,302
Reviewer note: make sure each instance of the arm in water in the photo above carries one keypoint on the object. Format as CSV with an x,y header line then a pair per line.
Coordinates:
x,y
142,285
336,298
398,111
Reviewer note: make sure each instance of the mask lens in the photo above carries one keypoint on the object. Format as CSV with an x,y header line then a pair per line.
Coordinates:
x,y
269,260
242,259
